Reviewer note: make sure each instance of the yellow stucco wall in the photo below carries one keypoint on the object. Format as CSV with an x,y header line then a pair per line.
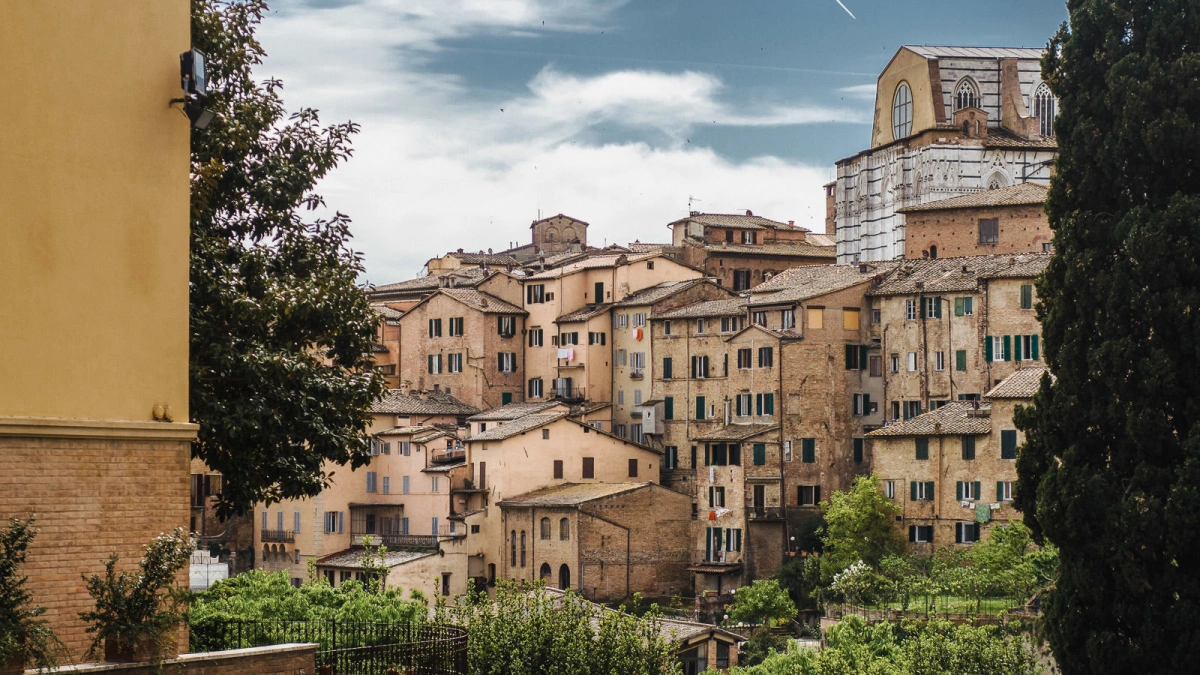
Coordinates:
x,y
94,224
908,67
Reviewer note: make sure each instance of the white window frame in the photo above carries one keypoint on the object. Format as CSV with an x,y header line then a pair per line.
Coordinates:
x,y
912,362
535,337
997,348
1007,494
894,363
787,451
939,361
889,488
787,318
536,388
921,496
910,309
968,491
917,534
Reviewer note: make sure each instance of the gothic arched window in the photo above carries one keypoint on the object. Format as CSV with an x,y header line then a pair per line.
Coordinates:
x,y
545,527
1045,109
522,548
966,95
564,530
902,112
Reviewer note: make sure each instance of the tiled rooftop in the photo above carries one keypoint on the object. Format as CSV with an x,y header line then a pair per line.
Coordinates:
x,y
649,296
387,312
944,275
584,313
730,307
591,262
935,52
801,283
735,432
738,221
488,304
798,249
571,494
956,418
512,411
1022,384
396,402
482,258
464,277
517,426
1013,195
352,558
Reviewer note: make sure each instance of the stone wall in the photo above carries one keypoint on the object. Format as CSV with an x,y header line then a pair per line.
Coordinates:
x,y
286,659
955,232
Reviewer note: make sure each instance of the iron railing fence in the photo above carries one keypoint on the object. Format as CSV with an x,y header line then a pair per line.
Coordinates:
x,y
347,648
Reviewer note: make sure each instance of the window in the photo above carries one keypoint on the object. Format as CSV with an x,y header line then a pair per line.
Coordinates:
x,y
960,360
507,362
964,306
699,407
544,527
729,236
589,467
932,308
1025,347
456,326
522,548
731,324
1008,444
766,357
637,396
922,448
966,95
1026,296
744,359
912,362
639,319
808,450
404,484
850,319
668,407
749,237
856,357
331,518
716,496
564,529
966,533
620,320
699,367
434,364
764,405
876,366
1044,107
894,363
637,361
808,495
968,447
454,363
787,451
670,457
558,468
596,338
699,326
911,409
1047,247
939,361
633,466
741,280
535,337
910,309
759,454
889,489
742,405
921,491
536,388
387,486
666,328
815,316
997,347
858,450
895,410
1004,491
862,404
568,339
787,319
722,655
668,370
535,294
433,484
545,434
876,316
759,318
620,397
435,328
989,231
967,490
920,534
902,112
513,560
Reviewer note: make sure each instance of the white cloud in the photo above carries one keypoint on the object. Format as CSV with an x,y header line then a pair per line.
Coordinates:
x,y
441,165
861,92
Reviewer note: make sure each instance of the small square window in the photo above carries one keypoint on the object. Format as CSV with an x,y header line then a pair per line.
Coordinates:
x,y
545,433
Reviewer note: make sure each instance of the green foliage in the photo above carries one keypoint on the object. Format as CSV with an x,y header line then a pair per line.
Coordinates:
x,y
1111,465
281,332
859,525
763,601
269,596
801,577
22,633
142,609
527,630
854,647
375,572
762,644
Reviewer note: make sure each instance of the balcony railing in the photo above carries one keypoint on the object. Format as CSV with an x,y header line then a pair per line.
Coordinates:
x,y
575,395
636,374
278,536
717,557
397,541
448,456
765,513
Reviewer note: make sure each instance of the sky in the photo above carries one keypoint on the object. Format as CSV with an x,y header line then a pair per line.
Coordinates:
x,y
479,116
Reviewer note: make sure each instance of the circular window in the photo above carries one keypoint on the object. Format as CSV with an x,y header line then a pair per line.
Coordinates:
x,y
902,112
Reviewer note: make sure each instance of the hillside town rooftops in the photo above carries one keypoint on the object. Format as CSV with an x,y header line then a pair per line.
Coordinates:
x,y
1022,384
944,275
513,411
584,313
1013,195
737,221
571,494
484,302
781,248
592,262
399,402
707,308
956,418
651,295
517,426
801,283
481,258
387,312
735,432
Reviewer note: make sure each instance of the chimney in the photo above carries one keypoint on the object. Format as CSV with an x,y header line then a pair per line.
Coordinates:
x,y
791,223
749,212
460,250
489,250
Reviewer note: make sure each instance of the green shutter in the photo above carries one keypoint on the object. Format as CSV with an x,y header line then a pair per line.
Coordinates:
x,y
999,490
699,407
1008,444
987,348
808,450
735,454
707,455
760,454
922,448
1033,347
711,503
979,490
849,356
937,308
669,408
1007,348
960,359
858,450
737,540
866,404
929,490
771,404
958,490
1027,296
1017,340
958,306
912,489
667,368
708,543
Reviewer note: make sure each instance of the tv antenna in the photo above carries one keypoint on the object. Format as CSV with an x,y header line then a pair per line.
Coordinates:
x,y
690,200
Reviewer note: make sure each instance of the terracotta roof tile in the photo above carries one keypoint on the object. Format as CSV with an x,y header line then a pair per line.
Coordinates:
x,y
649,296
517,426
1022,384
738,221
484,302
956,418
801,283
945,275
571,494
513,411
730,307
481,258
735,432
1013,195
396,402
796,249
352,558
584,313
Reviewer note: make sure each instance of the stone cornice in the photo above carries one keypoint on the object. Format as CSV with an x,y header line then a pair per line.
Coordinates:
x,y
62,427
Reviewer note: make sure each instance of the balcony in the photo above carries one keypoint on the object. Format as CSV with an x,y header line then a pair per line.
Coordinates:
x,y
396,542
570,395
636,375
765,513
448,456
727,559
278,536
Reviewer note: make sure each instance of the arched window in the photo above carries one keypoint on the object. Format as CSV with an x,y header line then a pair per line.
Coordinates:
x,y
966,95
902,112
522,548
564,530
564,577
1044,108
545,529
932,252
996,181
513,562
544,572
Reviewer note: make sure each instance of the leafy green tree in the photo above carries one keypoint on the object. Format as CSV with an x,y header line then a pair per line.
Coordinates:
x,y
25,637
763,601
1110,472
860,524
281,331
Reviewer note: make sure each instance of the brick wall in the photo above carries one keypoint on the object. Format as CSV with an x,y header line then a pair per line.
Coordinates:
x,y
92,497
286,659
955,232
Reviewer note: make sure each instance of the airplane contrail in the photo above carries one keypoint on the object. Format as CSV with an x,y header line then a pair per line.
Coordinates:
x,y
847,10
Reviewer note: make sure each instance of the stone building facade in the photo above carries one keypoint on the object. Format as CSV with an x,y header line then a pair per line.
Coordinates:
x,y
949,121
742,251
1005,220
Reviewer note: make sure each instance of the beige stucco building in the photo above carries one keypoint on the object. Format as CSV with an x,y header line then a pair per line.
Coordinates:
x,y
952,470
95,232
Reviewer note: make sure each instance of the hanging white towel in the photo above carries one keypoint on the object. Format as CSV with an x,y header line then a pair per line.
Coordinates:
x,y
711,474
564,353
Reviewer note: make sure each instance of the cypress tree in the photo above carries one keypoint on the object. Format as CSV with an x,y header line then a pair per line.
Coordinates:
x,y
1110,471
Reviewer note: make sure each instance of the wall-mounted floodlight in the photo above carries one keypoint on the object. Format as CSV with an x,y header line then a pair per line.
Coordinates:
x,y
194,82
